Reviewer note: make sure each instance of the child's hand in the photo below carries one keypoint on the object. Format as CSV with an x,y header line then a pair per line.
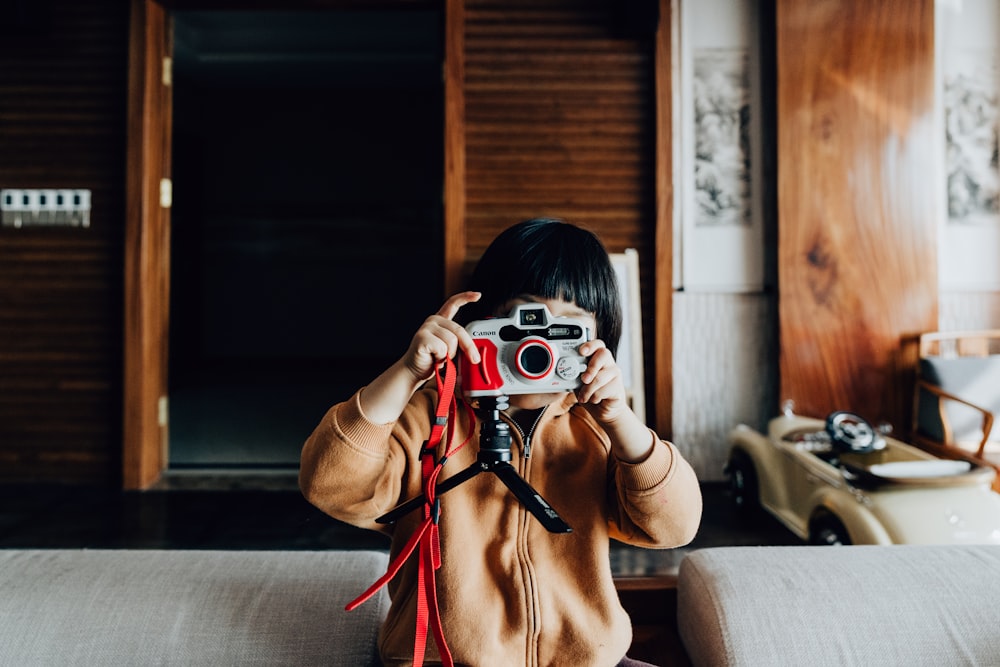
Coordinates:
x,y
437,339
440,338
603,390
603,394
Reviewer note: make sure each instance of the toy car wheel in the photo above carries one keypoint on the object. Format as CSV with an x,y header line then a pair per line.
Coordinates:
x,y
850,432
828,531
743,486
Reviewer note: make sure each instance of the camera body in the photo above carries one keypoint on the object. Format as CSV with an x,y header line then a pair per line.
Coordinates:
x,y
527,352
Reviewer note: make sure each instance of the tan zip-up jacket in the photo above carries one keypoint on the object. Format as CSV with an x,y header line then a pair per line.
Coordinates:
x,y
510,592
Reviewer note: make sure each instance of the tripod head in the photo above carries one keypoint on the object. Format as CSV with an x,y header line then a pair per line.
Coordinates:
x,y
494,432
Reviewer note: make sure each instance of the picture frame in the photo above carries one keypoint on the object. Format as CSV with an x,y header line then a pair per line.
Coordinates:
x,y
967,114
719,213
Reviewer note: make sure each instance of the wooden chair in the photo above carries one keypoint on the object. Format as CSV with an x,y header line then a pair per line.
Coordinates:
x,y
630,357
957,396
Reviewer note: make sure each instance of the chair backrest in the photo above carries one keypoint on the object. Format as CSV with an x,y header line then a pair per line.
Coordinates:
x,y
951,344
974,379
965,365
630,356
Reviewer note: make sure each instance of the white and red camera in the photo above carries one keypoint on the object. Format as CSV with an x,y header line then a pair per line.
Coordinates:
x,y
528,352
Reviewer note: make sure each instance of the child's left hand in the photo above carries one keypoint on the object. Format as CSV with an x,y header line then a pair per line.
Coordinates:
x,y
603,390
603,394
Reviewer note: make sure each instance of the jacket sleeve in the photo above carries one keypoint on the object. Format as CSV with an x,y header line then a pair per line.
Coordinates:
x,y
656,502
355,470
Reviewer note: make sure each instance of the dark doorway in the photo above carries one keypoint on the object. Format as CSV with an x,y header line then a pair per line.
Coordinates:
x,y
306,222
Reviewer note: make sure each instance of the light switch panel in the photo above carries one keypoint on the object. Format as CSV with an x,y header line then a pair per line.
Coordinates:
x,y
44,207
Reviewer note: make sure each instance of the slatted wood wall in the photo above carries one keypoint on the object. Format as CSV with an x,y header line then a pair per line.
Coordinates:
x,y
559,113
62,124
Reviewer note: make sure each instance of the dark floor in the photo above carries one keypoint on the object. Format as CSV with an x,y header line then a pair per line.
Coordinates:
x,y
190,516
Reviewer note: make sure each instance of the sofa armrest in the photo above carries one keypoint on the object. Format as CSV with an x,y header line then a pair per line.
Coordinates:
x,y
858,605
136,607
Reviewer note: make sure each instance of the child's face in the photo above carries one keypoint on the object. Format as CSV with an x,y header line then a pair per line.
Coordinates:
x,y
558,308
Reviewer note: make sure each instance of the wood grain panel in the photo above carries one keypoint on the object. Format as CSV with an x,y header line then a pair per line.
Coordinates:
x,y
662,397
560,121
856,200
62,115
147,247
455,160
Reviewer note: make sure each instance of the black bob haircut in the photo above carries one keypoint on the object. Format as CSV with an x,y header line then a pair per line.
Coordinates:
x,y
551,259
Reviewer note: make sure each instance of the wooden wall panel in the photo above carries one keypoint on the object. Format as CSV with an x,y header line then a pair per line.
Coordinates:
x,y
560,121
62,125
856,200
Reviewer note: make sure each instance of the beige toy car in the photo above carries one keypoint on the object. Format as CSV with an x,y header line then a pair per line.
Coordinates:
x,y
839,481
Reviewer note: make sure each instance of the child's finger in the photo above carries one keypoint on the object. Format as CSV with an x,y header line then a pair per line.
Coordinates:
x,y
600,358
452,334
451,306
592,346
468,346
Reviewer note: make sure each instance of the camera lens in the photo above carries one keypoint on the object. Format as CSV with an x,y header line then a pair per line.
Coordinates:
x,y
534,360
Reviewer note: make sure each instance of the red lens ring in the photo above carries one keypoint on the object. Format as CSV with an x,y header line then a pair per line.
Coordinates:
x,y
532,342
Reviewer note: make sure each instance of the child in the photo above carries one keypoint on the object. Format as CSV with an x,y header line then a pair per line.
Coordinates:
x,y
509,591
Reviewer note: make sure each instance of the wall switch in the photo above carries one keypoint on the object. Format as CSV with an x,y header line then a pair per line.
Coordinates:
x,y
44,208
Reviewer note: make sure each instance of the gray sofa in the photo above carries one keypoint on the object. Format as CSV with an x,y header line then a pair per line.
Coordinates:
x,y
840,606
136,607
796,605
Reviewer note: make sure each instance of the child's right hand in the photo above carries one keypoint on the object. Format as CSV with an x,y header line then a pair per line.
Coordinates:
x,y
437,339
440,338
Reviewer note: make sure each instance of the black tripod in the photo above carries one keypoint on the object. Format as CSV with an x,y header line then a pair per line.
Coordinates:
x,y
494,456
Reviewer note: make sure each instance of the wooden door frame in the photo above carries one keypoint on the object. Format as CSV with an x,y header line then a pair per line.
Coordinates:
x,y
663,269
147,246
147,220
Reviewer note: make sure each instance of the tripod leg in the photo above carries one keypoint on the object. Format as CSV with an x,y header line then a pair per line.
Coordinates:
x,y
413,503
530,498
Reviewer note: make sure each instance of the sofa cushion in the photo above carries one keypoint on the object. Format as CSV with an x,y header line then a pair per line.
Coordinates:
x,y
136,607
860,605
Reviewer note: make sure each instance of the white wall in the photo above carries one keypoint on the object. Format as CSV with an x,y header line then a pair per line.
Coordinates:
x,y
725,372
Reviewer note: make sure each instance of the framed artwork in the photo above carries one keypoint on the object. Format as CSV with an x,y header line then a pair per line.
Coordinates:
x,y
970,124
968,94
720,218
721,116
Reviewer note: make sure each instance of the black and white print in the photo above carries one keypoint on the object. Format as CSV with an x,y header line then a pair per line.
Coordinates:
x,y
721,84
970,111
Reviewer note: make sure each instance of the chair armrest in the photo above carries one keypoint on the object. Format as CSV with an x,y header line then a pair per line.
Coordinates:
x,y
942,396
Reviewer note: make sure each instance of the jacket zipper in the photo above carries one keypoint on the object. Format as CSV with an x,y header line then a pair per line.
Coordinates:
x,y
532,610
526,438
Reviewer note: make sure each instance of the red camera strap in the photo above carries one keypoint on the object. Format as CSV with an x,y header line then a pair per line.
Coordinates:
x,y
426,536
